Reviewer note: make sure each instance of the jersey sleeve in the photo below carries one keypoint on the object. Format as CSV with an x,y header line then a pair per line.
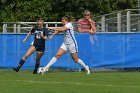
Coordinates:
x,y
69,25
46,32
33,30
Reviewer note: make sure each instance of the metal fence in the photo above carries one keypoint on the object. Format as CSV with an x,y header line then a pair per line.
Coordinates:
x,y
122,21
24,27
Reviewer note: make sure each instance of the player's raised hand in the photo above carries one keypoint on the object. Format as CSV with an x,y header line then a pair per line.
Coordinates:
x,y
51,37
24,40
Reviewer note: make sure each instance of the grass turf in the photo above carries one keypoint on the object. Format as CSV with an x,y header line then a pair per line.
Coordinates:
x,y
69,82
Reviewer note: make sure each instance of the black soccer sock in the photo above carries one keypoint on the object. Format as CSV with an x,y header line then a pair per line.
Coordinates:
x,y
36,66
21,62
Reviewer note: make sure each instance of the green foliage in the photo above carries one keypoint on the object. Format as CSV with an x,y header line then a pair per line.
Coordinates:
x,y
53,10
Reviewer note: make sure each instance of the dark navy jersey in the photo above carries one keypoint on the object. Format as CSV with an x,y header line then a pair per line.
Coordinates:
x,y
37,39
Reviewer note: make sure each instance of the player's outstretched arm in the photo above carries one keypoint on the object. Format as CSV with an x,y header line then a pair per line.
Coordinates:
x,y
55,33
27,36
60,29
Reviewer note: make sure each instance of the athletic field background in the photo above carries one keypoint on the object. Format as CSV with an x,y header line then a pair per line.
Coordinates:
x,y
108,50
69,82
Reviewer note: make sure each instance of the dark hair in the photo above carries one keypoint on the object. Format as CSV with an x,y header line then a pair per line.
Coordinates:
x,y
67,18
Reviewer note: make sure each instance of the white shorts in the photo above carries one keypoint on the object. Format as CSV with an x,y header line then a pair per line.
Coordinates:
x,y
72,48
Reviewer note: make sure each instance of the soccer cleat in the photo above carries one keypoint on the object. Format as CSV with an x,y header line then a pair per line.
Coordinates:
x,y
88,70
35,71
46,69
16,69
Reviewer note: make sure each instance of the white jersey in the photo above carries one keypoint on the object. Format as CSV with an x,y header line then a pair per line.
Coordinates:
x,y
69,37
69,43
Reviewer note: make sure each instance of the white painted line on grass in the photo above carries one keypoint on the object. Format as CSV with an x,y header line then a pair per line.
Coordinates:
x,y
74,83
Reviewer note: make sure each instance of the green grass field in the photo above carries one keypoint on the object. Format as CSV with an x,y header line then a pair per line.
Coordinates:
x,y
69,82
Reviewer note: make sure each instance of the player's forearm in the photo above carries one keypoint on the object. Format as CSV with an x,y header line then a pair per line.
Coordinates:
x,y
59,29
55,33
44,37
28,35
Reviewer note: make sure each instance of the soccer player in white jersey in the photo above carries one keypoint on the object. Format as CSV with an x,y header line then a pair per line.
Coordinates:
x,y
69,44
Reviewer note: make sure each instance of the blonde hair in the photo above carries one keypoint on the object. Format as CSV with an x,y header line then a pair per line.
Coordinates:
x,y
40,20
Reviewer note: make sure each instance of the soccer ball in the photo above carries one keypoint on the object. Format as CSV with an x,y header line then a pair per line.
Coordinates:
x,y
41,70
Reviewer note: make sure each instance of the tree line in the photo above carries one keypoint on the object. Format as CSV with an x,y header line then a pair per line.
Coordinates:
x,y
53,10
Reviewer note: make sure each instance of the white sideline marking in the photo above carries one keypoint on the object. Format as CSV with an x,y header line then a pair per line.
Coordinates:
x,y
70,83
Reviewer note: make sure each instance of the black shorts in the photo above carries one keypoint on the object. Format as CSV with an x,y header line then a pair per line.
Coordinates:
x,y
39,48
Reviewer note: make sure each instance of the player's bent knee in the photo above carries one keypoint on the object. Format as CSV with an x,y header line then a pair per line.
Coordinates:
x,y
57,56
25,57
75,60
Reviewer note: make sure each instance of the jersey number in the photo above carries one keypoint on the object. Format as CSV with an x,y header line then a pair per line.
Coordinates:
x,y
37,36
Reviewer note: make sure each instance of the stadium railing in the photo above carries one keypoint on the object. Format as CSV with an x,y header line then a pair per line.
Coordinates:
x,y
126,21
121,21
24,27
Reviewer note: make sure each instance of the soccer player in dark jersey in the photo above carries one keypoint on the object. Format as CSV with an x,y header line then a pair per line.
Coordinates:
x,y
40,36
